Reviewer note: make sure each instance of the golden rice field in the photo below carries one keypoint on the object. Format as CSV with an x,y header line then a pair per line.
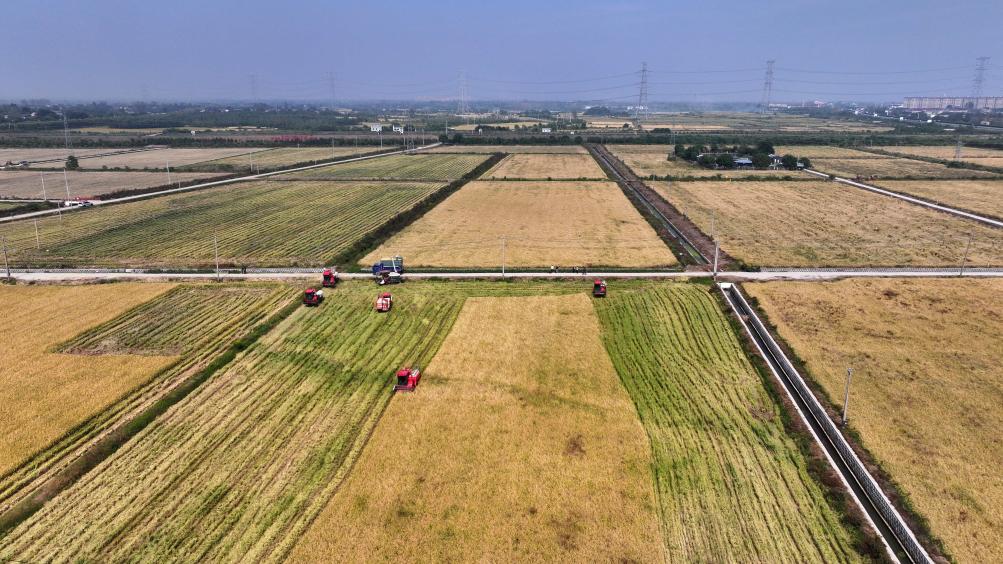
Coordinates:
x,y
546,167
44,393
255,223
645,163
823,152
180,330
979,196
279,157
946,152
519,445
238,469
542,223
732,485
514,149
418,167
819,223
28,183
161,158
894,168
926,398
46,157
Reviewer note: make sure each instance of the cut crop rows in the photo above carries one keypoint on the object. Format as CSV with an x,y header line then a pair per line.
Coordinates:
x,y
259,223
732,485
195,322
442,167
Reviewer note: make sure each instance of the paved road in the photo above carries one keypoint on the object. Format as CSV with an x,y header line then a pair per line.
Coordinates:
x,y
206,185
910,199
278,274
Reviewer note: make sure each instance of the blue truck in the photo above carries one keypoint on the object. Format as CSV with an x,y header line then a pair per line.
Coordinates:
x,y
392,265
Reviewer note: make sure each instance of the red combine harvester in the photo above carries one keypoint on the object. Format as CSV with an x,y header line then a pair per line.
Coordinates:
x,y
329,278
407,379
599,288
384,302
312,297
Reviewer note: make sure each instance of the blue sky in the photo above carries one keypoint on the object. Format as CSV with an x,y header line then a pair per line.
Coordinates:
x,y
208,49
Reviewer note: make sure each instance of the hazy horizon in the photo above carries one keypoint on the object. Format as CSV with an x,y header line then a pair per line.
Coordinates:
x,y
560,51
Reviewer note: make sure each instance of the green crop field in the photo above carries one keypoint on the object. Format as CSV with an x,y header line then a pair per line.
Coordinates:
x,y
419,167
256,223
237,470
193,323
732,485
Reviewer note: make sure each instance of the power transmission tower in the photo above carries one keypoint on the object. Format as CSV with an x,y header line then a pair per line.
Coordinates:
x,y
254,87
764,104
330,81
957,149
641,111
462,105
979,81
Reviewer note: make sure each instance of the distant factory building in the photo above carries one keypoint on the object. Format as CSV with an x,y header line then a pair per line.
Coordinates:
x,y
988,103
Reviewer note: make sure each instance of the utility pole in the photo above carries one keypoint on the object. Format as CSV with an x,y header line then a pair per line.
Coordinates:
x,y
42,174
3,242
215,250
964,259
767,87
503,255
67,183
168,171
846,396
38,244
66,134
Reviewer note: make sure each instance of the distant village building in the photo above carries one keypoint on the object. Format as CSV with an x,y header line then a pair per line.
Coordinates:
x,y
988,103
545,130
376,127
398,129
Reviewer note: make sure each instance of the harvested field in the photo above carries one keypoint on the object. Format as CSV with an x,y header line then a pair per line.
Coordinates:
x,y
824,152
647,162
161,158
732,485
43,393
945,152
748,121
274,158
506,457
979,196
926,397
191,323
28,184
894,168
420,167
818,223
546,167
239,468
257,223
543,223
514,149
54,157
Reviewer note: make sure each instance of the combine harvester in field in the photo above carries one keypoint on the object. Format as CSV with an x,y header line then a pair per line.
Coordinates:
x,y
312,297
389,270
407,379
384,302
329,278
599,288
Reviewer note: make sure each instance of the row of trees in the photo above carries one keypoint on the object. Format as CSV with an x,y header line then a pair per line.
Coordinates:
x,y
714,156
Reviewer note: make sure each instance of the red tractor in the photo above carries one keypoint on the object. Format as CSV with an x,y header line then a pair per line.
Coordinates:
x,y
599,288
407,379
384,302
312,297
329,278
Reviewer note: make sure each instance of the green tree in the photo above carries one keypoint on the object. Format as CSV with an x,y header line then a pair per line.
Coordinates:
x,y
790,162
806,162
725,160
707,160
760,160
765,147
72,163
